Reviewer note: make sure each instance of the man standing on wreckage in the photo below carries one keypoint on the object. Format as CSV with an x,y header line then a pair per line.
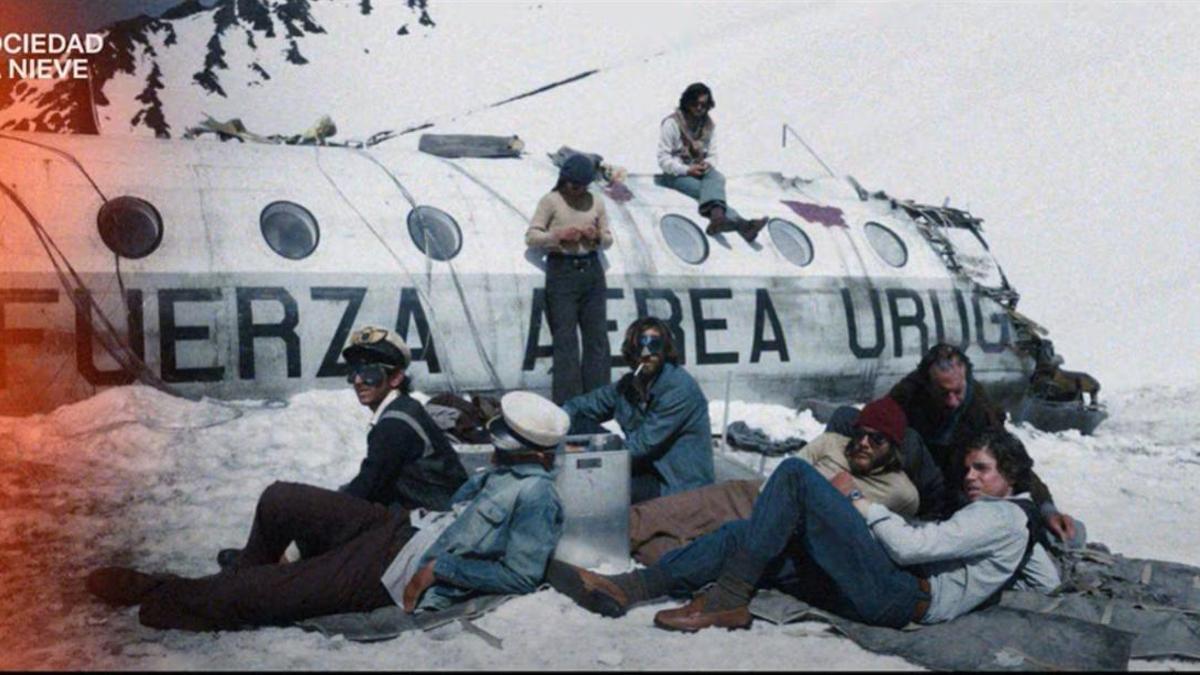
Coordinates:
x,y
825,542
497,538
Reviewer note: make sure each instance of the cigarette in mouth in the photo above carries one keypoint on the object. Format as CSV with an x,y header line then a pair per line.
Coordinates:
x,y
639,370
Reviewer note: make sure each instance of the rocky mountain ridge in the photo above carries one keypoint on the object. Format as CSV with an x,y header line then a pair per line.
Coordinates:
x,y
138,48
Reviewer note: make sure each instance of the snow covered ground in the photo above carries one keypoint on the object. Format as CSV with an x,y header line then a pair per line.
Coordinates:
x,y
135,477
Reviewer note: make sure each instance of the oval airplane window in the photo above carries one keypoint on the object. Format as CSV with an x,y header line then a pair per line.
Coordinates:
x,y
130,227
685,238
290,230
791,241
435,232
887,244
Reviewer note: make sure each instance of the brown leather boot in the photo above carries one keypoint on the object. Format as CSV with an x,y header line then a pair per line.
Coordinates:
x,y
750,229
594,592
717,222
693,616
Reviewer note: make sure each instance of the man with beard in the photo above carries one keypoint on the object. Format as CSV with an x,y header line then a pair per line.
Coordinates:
x,y
870,452
661,410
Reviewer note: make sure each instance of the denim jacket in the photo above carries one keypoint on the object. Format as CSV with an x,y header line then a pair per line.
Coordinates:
x,y
670,429
503,539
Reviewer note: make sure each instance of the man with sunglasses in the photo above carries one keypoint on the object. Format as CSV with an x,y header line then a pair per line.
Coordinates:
x,y
868,461
661,410
869,449
495,537
687,154
410,463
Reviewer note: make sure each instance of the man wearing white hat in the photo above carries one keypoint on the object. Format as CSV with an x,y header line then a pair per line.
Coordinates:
x,y
497,538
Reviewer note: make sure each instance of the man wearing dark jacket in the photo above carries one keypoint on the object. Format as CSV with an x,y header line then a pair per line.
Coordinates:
x,y
409,464
947,407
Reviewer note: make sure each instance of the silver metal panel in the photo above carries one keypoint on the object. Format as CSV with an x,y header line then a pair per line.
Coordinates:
x,y
593,484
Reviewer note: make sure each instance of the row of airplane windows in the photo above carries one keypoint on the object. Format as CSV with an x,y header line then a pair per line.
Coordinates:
x,y
132,228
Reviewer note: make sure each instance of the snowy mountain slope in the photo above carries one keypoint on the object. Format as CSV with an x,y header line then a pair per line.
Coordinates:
x,y
134,477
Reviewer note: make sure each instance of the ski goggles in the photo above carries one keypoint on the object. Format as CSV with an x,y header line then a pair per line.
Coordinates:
x,y
875,438
371,374
650,344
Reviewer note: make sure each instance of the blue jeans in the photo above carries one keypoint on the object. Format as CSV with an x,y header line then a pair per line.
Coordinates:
x,y
810,542
708,190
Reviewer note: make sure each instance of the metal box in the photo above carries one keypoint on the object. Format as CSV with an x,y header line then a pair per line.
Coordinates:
x,y
593,484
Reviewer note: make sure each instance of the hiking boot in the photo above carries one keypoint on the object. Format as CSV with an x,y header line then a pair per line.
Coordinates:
x,y
594,592
750,229
693,616
228,558
123,586
718,223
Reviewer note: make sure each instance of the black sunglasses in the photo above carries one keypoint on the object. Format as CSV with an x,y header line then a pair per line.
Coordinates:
x,y
371,374
652,344
875,438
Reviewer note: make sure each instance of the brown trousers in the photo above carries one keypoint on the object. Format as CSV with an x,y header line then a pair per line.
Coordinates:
x,y
348,543
666,523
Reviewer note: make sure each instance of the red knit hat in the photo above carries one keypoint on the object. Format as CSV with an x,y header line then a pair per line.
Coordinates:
x,y
886,416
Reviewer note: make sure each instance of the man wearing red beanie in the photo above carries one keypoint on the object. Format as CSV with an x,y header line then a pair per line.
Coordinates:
x,y
869,458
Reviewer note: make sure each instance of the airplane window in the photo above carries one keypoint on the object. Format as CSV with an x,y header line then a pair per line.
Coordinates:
x,y
435,232
130,227
791,241
887,244
685,238
290,230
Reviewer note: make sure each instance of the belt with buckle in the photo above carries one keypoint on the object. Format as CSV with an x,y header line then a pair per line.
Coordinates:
x,y
579,261
922,605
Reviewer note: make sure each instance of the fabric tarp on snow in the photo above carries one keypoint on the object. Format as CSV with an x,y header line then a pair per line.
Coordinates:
x,y
389,622
996,638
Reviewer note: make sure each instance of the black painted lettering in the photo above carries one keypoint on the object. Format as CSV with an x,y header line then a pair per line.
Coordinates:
x,y
915,320
85,356
764,310
703,325
11,337
534,350
1000,318
642,298
331,365
285,330
610,325
170,334
856,347
411,310
963,319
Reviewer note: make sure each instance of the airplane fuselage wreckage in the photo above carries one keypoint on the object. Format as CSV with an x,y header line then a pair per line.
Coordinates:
x,y
237,270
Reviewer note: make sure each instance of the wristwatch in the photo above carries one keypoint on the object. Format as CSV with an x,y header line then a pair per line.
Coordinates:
x,y
855,495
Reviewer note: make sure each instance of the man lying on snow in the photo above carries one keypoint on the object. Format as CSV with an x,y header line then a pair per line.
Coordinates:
x,y
828,544
501,531
872,448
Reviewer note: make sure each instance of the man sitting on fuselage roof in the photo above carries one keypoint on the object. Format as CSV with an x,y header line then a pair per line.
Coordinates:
x,y
948,407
